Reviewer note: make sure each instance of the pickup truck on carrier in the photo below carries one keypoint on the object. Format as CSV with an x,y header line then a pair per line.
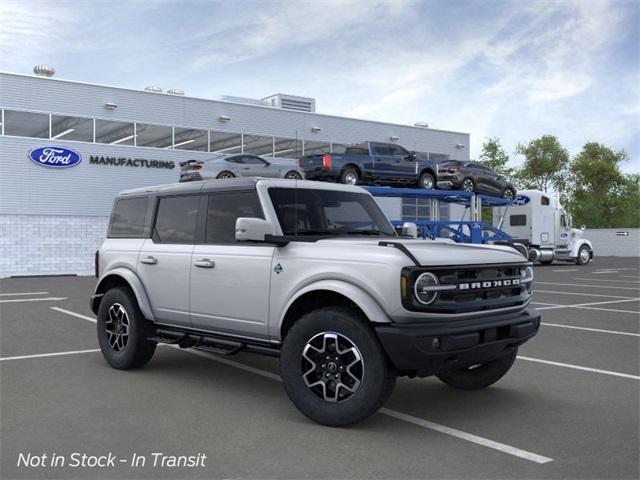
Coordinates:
x,y
368,162
312,272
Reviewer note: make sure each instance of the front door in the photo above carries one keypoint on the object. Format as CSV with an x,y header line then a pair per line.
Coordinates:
x,y
164,262
229,279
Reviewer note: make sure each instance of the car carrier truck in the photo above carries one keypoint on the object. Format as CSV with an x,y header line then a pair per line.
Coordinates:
x,y
538,221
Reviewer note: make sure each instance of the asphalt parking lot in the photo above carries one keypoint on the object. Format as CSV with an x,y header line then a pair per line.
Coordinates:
x,y
568,409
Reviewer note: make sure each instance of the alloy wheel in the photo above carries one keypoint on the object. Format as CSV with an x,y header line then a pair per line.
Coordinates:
x,y
508,194
117,327
293,176
467,185
427,182
584,255
350,178
333,366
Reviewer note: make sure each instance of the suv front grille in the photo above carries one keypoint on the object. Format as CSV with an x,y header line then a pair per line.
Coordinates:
x,y
468,289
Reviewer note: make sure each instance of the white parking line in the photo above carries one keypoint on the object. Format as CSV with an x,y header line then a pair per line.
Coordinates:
x,y
607,280
579,294
579,367
553,306
23,293
73,314
45,299
587,286
41,355
632,312
598,330
628,276
604,272
533,457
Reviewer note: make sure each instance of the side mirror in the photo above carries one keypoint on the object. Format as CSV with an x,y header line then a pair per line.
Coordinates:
x,y
410,229
412,156
252,229
583,228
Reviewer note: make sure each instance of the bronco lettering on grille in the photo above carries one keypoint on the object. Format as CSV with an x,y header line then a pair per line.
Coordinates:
x,y
510,282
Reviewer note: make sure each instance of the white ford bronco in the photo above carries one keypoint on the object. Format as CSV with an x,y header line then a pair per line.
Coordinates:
x,y
315,274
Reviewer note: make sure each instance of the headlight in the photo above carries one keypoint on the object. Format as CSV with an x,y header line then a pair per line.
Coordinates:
x,y
425,288
526,275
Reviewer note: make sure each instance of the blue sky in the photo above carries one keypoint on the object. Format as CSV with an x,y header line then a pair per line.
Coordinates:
x,y
515,69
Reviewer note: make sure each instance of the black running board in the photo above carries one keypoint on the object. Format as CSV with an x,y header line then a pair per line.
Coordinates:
x,y
212,343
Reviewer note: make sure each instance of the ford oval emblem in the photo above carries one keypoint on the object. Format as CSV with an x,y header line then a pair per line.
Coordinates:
x,y
521,200
55,157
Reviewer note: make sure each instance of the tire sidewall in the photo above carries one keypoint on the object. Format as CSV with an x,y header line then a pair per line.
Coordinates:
x,y
371,393
421,181
579,257
347,171
128,356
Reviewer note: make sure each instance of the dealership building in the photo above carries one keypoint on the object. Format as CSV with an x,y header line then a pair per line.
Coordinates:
x,y
53,219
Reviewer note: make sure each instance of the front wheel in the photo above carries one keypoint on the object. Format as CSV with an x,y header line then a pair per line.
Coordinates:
x,y
481,376
584,255
334,369
123,331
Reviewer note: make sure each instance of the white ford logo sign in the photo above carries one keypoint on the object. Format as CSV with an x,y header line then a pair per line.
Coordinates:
x,y
55,157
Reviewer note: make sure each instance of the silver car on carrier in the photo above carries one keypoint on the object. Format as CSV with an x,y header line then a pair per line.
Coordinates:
x,y
240,165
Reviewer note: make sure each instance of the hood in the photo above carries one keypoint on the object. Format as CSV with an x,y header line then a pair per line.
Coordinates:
x,y
443,252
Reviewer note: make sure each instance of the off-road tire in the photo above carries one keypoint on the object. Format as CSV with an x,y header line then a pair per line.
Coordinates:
x,y
427,178
481,376
378,378
349,173
138,349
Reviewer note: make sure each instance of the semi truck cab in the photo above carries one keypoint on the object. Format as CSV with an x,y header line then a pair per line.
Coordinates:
x,y
538,220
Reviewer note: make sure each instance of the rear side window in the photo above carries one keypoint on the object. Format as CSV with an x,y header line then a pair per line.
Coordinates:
x,y
176,219
129,218
356,151
544,201
224,209
518,220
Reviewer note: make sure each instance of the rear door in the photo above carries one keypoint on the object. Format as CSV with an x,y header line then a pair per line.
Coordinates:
x,y
164,262
403,168
229,279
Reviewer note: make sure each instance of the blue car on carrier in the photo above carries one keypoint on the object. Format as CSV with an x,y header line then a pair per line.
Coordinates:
x,y
372,162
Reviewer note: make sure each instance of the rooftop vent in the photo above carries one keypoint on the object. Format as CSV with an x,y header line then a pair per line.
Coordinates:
x,y
291,102
153,88
175,91
44,71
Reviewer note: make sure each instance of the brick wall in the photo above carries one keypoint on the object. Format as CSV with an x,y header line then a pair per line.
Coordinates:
x,y
49,245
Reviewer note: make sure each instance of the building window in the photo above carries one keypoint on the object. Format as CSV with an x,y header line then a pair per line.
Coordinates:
x,y
26,124
71,128
157,136
315,148
258,145
190,139
114,133
225,142
287,148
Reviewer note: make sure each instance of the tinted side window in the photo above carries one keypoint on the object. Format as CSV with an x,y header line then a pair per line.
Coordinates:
x,y
129,218
176,219
224,209
518,220
253,160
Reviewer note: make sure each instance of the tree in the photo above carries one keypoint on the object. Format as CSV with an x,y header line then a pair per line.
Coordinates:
x,y
495,157
545,164
601,196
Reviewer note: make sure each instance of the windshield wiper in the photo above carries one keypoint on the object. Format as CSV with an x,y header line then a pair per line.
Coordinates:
x,y
365,232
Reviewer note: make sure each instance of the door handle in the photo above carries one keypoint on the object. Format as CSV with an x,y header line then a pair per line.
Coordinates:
x,y
149,260
204,263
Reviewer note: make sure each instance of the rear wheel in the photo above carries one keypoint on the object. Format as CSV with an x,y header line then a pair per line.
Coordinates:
x,y
123,331
509,194
349,176
293,175
427,181
225,174
477,377
334,369
584,255
468,185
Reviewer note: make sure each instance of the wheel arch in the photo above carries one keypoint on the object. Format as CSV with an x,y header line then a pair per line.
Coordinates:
x,y
430,171
326,294
122,277
579,244
354,166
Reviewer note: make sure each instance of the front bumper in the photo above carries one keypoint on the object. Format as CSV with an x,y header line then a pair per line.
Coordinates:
x,y
428,348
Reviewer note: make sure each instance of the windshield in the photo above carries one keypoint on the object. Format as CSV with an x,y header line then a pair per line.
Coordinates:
x,y
304,211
